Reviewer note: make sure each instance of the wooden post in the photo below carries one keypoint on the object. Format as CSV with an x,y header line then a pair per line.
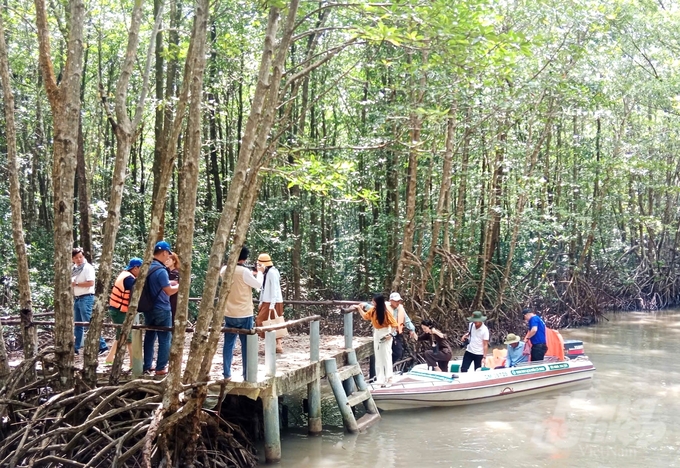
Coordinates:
x,y
349,330
251,358
340,396
270,353
314,387
272,436
137,358
361,383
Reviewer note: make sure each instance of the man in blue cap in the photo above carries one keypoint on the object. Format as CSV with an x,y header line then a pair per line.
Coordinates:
x,y
159,288
119,300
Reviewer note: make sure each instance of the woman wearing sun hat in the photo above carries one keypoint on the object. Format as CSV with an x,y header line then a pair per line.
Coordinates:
x,y
271,298
478,335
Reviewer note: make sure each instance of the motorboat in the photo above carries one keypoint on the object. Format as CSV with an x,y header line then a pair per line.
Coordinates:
x,y
421,387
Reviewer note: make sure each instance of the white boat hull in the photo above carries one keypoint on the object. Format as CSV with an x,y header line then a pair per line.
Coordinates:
x,y
421,388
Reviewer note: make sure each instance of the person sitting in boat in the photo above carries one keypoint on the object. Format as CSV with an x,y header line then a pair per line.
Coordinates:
x,y
383,325
439,355
515,350
478,336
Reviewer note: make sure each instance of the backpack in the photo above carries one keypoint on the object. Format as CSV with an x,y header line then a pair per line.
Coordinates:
x,y
147,300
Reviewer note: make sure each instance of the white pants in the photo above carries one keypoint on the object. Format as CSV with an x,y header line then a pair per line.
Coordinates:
x,y
383,355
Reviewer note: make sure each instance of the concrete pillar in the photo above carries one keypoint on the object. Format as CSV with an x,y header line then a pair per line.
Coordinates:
x,y
340,396
272,435
361,383
270,353
314,387
137,358
251,358
314,341
314,402
349,330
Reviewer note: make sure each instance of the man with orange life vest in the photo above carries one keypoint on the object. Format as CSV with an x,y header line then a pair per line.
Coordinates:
x,y
403,320
119,299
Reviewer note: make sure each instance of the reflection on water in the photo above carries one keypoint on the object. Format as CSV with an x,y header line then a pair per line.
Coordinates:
x,y
627,417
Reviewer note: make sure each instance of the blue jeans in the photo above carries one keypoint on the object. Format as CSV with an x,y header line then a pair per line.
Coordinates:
x,y
82,312
157,318
230,342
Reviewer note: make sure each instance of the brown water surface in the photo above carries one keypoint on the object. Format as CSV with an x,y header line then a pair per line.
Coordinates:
x,y
628,417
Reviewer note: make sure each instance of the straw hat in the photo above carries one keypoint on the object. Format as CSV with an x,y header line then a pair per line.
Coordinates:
x,y
265,260
512,338
477,316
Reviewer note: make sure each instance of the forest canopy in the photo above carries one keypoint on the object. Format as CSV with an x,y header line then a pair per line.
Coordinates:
x,y
478,154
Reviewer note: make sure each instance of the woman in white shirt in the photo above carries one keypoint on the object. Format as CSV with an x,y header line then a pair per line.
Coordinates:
x,y
271,298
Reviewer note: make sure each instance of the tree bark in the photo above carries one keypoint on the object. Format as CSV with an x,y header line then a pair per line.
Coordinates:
x,y
84,225
28,331
492,228
416,122
521,201
188,186
258,126
444,190
65,103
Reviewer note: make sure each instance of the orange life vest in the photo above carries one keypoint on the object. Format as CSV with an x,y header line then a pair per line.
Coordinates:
x,y
119,297
555,344
401,316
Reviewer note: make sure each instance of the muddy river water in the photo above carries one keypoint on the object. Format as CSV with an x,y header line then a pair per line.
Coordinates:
x,y
629,416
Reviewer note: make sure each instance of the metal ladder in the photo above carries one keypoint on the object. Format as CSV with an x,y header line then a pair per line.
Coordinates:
x,y
353,393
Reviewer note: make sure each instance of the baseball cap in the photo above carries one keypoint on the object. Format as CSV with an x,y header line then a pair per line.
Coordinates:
x,y
160,246
134,262
395,296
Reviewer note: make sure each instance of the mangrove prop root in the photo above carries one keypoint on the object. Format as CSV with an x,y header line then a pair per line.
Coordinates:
x,y
106,426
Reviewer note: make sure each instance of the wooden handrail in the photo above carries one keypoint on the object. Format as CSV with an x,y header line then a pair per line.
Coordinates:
x,y
240,331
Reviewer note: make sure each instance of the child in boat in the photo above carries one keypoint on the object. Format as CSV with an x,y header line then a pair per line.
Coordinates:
x,y
439,355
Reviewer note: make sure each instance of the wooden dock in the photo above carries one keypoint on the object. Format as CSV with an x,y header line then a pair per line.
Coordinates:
x,y
307,358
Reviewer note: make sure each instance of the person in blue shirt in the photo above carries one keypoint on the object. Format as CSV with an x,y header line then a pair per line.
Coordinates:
x,y
515,350
160,288
536,334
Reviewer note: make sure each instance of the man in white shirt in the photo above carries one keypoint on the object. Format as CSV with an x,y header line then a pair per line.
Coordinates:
x,y
82,284
239,311
478,335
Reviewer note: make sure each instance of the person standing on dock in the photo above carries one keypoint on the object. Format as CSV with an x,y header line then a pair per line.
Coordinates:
x,y
536,334
82,285
271,297
397,310
160,288
478,336
238,312
383,324
173,266
119,300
